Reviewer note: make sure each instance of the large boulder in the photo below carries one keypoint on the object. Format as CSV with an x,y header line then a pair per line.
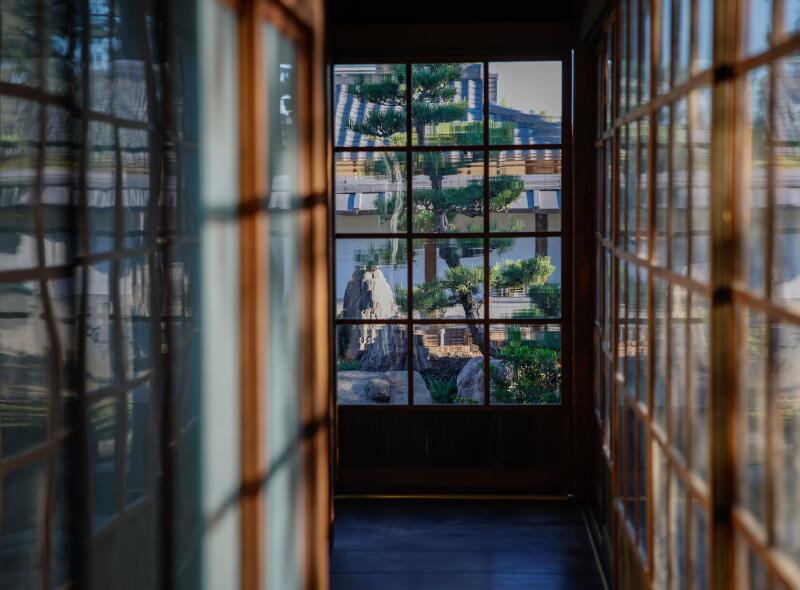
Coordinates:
x,y
360,387
386,351
470,379
368,296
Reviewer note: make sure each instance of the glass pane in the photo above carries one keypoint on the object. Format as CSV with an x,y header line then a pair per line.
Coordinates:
x,y
19,52
679,246
369,104
135,167
786,339
661,246
449,358
447,106
24,500
60,181
705,34
664,67
609,192
448,278
644,188
128,67
660,518
633,53
699,335
369,276
628,439
372,364
642,353
100,344
103,454
524,278
101,43
791,15
701,187
756,26
630,344
609,70
786,142
677,517
525,102
622,322
19,128
751,427
58,25
448,191
525,190
135,320
683,42
643,494
677,368
622,207
699,554
525,364
101,185
370,192
137,451
622,32
659,350
646,43
753,174
632,193
25,368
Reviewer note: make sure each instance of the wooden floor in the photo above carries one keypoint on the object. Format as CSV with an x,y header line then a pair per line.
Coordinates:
x,y
463,545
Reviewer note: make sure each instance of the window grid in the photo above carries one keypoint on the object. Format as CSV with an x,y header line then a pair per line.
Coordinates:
x,y
409,235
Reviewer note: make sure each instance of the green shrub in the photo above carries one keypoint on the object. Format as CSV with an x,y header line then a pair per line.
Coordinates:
x,y
348,365
443,391
547,298
509,274
531,372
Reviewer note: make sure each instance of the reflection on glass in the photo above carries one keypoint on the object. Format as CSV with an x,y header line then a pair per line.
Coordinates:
x,y
58,183
633,54
525,364
622,211
677,516
525,190
756,26
786,339
644,87
99,335
660,520
705,34
630,345
679,243
19,52
524,278
644,182
699,334
643,351
450,360
101,183
25,368
372,364
448,278
643,494
370,192
24,500
699,556
786,229
19,129
609,192
101,41
751,429
659,351
677,368
750,570
632,192
664,79
628,439
447,104
369,274
369,104
524,102
699,267
134,311
753,173
791,15
137,444
683,25
448,191
103,455
135,163
622,322
130,34
56,31
661,246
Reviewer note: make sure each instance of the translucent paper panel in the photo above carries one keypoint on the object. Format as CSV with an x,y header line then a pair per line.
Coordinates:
x,y
103,418
372,364
369,104
19,128
661,179
448,279
786,339
525,190
700,203
786,221
524,278
753,171
448,191
25,366
525,364
23,501
699,365
756,26
447,104
679,235
752,420
449,359
524,102
677,368
370,192
370,277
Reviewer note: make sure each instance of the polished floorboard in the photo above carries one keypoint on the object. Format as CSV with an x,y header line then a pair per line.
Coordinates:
x,y
461,544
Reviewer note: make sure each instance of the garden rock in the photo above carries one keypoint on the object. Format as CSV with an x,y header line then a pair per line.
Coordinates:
x,y
368,295
470,379
378,390
356,387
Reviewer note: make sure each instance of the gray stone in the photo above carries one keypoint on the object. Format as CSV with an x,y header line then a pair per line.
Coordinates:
x,y
353,387
470,379
368,295
378,390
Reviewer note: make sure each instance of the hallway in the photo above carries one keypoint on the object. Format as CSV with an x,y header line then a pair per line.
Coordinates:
x,y
470,545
